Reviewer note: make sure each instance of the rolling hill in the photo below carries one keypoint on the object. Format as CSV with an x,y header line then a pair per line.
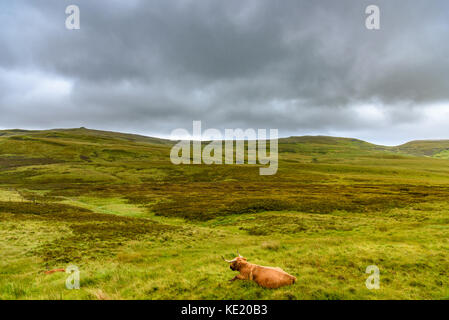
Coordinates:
x,y
428,148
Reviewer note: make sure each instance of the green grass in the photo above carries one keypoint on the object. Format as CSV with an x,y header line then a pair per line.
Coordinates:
x,y
139,227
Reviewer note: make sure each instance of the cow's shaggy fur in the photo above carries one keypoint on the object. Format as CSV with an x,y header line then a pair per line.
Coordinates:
x,y
267,277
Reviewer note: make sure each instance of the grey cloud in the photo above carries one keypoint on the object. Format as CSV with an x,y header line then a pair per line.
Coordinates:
x,y
152,66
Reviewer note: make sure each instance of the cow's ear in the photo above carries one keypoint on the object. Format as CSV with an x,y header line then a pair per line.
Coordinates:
x,y
244,259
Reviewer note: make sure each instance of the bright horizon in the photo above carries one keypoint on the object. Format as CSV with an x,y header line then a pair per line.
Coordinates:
x,y
167,137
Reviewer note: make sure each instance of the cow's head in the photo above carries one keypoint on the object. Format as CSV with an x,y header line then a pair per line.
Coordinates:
x,y
236,263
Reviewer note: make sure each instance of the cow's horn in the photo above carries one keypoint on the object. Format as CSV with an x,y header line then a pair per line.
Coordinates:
x,y
238,253
228,261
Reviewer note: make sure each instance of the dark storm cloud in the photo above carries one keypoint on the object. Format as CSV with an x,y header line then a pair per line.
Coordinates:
x,y
152,66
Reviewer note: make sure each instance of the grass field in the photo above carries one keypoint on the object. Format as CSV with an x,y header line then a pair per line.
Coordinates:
x,y
139,227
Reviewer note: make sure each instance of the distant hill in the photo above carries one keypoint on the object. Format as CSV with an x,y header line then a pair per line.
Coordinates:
x,y
428,148
84,134
311,145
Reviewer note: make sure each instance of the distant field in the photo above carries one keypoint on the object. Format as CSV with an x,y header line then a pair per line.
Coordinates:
x,y
139,227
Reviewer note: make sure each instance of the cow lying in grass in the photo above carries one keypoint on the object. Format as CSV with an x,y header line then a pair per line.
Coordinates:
x,y
267,277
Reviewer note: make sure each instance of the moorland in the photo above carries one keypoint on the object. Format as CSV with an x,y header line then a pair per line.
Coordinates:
x,y
139,227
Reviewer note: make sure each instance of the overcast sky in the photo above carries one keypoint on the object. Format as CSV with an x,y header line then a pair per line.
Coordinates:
x,y
304,67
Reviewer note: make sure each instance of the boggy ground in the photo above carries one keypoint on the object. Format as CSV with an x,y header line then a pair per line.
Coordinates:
x,y
139,227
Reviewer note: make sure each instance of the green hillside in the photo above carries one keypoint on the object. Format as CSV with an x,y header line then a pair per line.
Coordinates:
x,y
138,226
429,148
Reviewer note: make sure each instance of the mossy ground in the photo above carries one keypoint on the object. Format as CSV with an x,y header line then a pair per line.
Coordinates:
x,y
139,227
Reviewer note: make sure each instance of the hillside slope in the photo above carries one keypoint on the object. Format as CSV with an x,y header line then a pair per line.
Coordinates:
x,y
428,148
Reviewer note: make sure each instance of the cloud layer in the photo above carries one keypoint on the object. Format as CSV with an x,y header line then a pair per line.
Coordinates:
x,y
305,67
